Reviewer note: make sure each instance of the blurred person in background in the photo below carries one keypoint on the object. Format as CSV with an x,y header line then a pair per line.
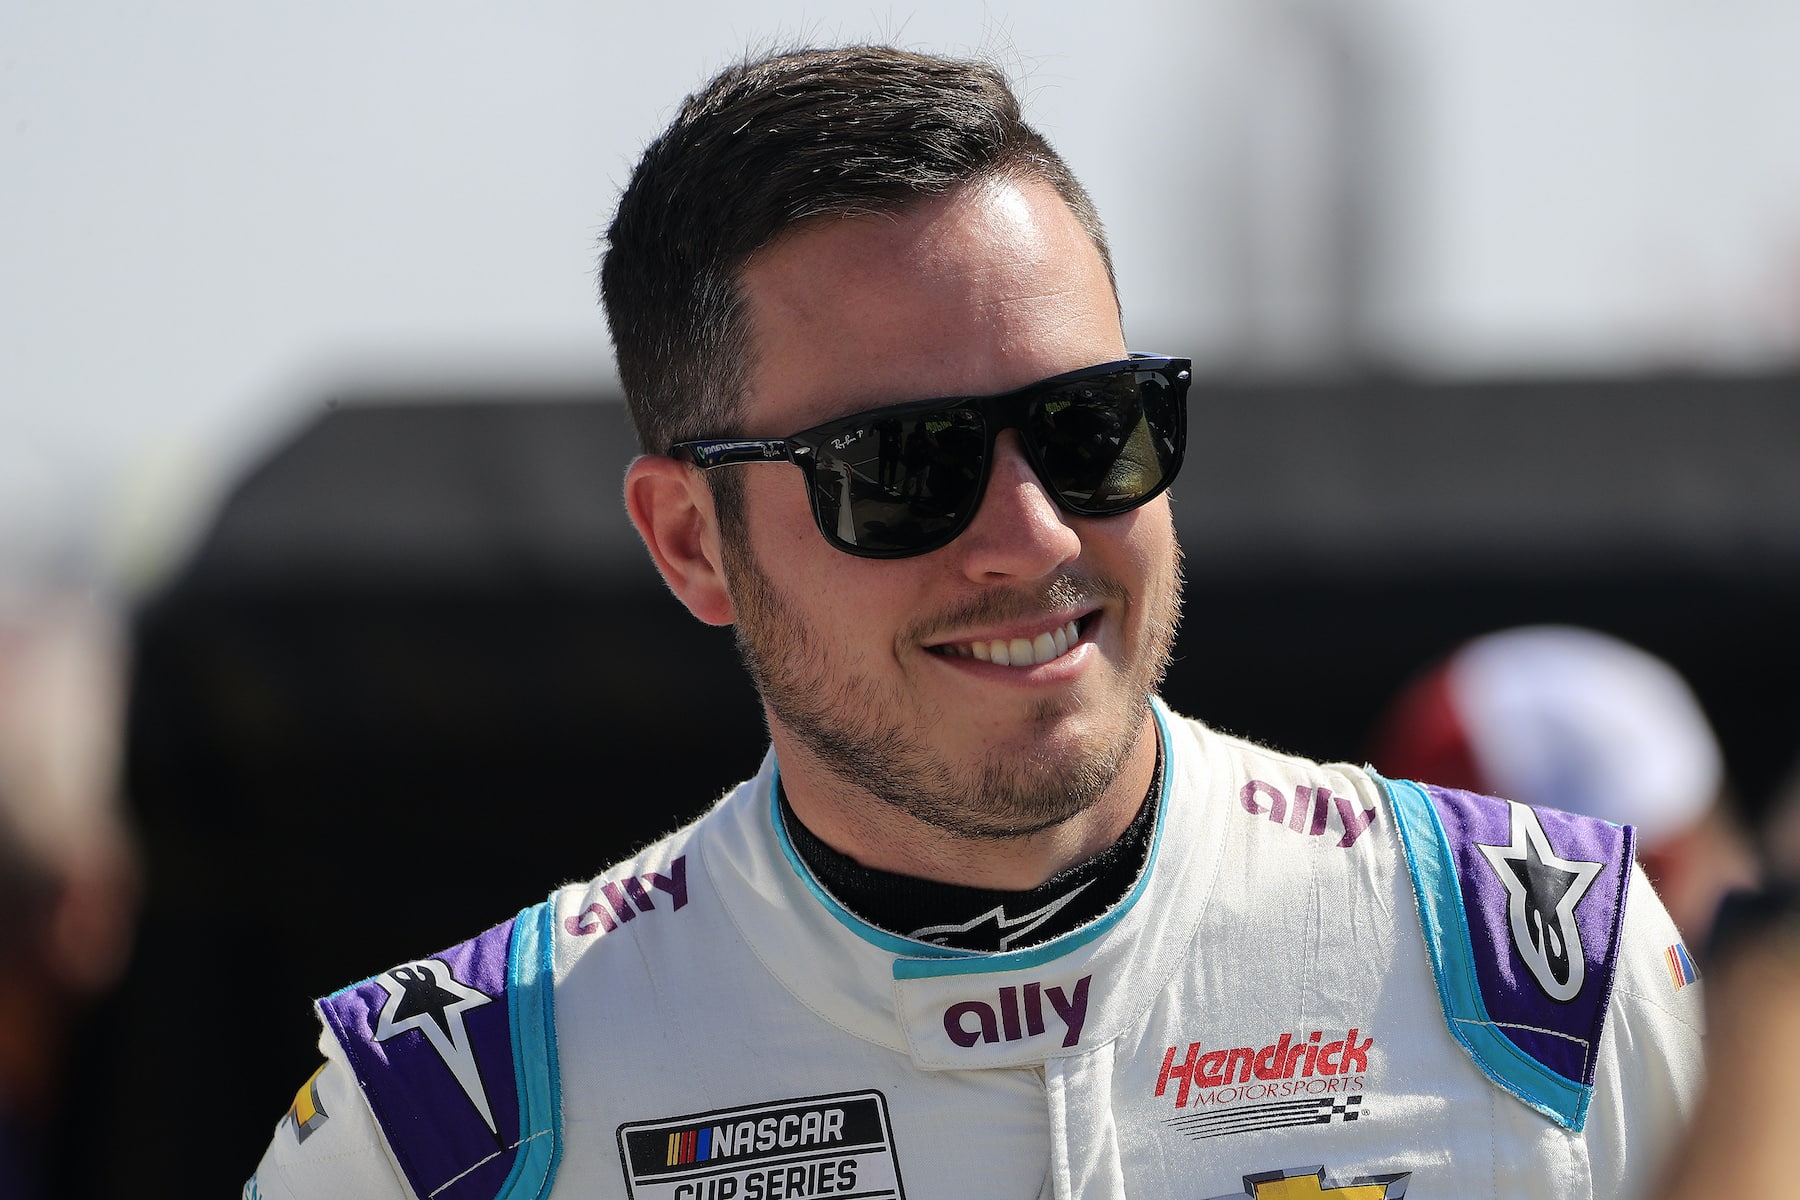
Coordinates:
x,y
991,920
1740,1142
68,873
1577,720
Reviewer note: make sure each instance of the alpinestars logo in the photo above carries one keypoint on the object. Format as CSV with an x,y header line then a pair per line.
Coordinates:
x,y
426,997
1011,929
1308,1183
1542,890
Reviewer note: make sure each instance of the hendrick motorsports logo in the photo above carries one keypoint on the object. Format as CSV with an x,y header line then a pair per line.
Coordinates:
x,y
787,1150
1288,1067
1296,1080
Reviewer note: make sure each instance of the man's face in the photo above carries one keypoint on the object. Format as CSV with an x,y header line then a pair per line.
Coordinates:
x,y
884,674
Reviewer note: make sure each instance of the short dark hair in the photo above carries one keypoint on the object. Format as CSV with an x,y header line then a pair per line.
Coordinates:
x,y
768,143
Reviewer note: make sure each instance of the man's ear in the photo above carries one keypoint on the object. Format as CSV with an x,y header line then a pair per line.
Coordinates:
x,y
672,508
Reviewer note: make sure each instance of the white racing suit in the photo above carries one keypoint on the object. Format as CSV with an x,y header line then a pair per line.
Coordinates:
x,y
1323,984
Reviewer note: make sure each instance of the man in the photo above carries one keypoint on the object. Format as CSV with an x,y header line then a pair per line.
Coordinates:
x,y
991,921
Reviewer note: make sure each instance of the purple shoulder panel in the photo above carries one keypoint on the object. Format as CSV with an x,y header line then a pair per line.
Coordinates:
x,y
431,1044
1544,897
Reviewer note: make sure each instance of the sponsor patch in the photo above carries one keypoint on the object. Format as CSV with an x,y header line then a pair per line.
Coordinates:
x,y
1309,811
1682,970
1306,1183
1019,1013
306,1114
1291,1067
621,900
785,1150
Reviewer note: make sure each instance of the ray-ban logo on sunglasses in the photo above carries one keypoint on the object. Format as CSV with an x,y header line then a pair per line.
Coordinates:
x,y
838,443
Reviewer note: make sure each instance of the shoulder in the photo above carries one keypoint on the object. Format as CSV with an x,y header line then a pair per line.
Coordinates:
x,y
454,1054
443,1076
661,879
612,932
1325,804
1524,915
439,1080
326,1144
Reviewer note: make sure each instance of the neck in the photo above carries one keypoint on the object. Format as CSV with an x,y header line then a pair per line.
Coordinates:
x,y
877,835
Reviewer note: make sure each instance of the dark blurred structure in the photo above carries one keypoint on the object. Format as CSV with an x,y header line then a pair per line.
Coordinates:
x,y
421,670
418,673
1340,537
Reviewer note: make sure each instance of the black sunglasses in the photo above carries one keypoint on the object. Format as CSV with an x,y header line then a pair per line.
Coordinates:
x,y
907,479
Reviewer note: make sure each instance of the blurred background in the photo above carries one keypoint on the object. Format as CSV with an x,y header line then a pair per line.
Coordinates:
x,y
309,439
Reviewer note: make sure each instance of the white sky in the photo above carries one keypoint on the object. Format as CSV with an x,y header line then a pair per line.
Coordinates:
x,y
211,212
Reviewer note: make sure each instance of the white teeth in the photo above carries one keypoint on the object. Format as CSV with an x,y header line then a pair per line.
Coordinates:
x,y
1021,652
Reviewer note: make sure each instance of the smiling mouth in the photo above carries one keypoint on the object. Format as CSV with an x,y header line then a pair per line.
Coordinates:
x,y
1018,652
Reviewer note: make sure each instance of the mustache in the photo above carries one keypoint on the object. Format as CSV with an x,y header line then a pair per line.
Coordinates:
x,y
1065,591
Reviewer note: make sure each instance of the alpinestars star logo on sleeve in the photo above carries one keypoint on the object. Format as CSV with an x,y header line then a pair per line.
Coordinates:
x,y
426,997
1542,890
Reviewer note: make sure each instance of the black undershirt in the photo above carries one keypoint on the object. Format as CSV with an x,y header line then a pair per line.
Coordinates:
x,y
974,918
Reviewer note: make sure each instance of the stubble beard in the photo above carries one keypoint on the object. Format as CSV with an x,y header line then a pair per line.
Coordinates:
x,y
839,716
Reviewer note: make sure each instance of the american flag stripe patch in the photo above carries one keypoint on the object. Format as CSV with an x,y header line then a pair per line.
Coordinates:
x,y
1681,967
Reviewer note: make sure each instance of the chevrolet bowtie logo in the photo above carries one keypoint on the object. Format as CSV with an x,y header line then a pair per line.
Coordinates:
x,y
1308,1183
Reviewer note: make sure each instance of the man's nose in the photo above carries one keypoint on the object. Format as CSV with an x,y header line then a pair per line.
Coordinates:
x,y
1019,531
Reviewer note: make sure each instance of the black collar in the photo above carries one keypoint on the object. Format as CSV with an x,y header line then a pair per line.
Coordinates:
x,y
973,918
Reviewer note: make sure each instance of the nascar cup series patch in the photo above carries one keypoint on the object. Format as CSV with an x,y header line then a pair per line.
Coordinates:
x,y
814,1146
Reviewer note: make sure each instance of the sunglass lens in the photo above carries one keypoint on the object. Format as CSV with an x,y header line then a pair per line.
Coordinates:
x,y
1107,443
900,484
